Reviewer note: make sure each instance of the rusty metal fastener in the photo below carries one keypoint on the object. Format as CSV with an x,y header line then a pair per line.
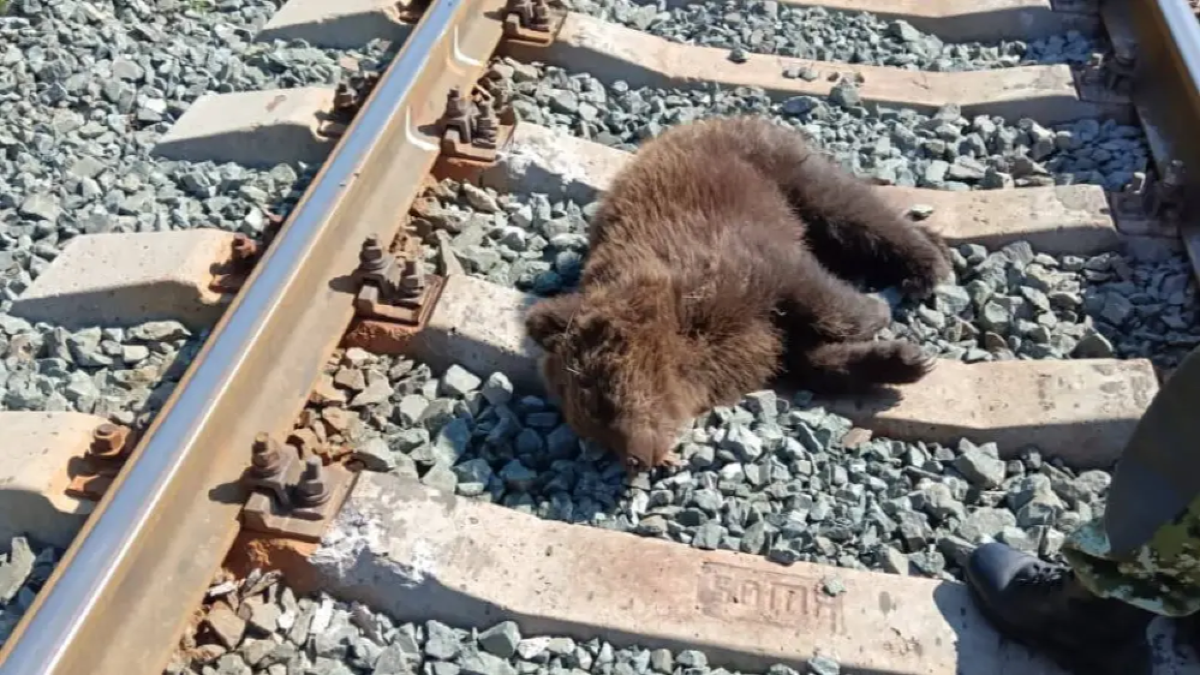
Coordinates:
x,y
456,107
311,490
269,468
108,441
540,19
245,249
413,281
345,97
372,257
1173,176
531,14
532,22
1121,67
522,8
487,126
1167,196
266,458
456,118
350,94
1131,200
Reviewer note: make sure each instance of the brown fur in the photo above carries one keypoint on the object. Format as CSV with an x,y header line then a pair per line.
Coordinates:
x,y
713,267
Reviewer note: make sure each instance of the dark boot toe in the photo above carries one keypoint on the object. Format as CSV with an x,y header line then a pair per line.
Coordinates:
x,y
1045,607
991,569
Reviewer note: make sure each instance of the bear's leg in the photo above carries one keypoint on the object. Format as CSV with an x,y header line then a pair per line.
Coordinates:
x,y
857,367
818,306
881,249
850,228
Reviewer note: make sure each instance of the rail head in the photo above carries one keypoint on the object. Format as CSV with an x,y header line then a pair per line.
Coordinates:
x,y
159,534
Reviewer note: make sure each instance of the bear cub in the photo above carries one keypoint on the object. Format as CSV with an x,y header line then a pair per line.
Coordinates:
x,y
720,258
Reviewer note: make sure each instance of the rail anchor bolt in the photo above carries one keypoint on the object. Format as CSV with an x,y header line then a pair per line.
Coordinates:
x,y
541,16
456,117
266,458
108,441
1120,69
312,490
1166,197
487,126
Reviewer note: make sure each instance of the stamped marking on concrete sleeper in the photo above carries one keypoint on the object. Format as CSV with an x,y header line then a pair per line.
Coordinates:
x,y
731,592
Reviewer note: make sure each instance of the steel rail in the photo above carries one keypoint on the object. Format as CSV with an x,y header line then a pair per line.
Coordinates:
x,y
1164,36
122,596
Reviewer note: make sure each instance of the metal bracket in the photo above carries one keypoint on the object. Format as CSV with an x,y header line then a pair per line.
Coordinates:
x,y
92,474
1166,197
1161,200
474,131
1131,200
410,11
291,497
350,95
245,253
230,278
532,22
1119,68
395,287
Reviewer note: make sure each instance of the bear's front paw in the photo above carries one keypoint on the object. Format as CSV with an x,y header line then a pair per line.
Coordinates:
x,y
902,362
928,269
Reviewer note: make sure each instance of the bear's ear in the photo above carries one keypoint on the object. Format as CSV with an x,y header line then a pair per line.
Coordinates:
x,y
548,320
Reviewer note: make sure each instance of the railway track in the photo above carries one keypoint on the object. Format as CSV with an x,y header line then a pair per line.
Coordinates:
x,y
351,337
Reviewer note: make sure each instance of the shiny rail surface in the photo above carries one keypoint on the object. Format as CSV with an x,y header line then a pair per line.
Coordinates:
x,y
116,604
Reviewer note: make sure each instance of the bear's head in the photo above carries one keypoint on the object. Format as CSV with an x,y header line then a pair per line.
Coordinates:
x,y
633,363
616,366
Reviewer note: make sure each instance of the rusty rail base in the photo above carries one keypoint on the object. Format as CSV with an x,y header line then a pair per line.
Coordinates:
x,y
117,603
1164,36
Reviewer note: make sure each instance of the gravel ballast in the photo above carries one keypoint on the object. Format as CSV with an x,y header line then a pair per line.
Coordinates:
x,y
768,27
124,374
319,635
771,476
24,568
86,89
888,146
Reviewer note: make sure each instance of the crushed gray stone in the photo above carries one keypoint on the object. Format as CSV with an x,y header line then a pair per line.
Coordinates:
x,y
823,665
125,374
87,89
816,33
25,565
890,146
16,569
772,476
501,640
360,641
1017,303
